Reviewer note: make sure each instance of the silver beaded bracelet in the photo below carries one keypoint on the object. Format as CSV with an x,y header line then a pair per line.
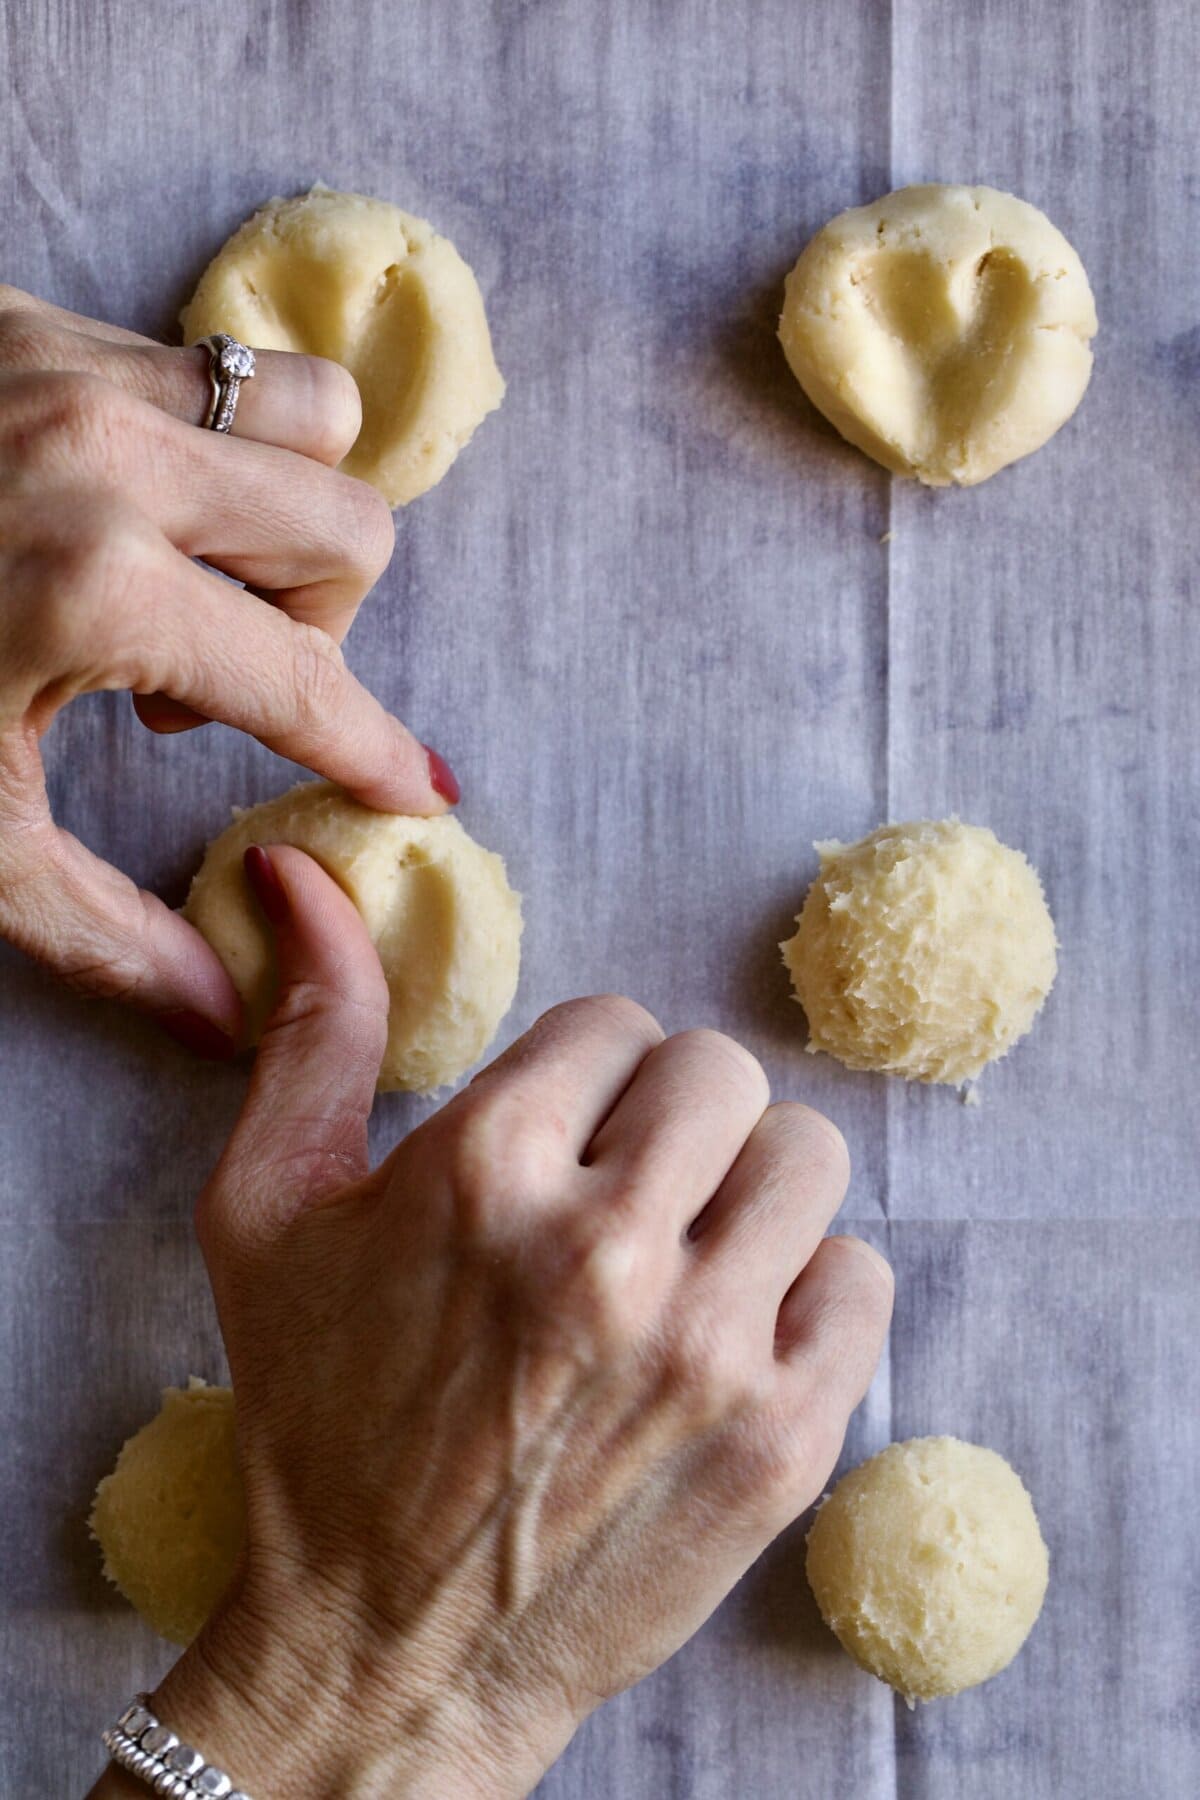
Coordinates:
x,y
151,1751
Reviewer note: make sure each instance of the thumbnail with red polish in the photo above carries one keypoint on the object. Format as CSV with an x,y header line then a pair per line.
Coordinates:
x,y
268,889
199,1035
441,777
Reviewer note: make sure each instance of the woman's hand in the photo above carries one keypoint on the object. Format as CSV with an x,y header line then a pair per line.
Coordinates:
x,y
517,1409
107,490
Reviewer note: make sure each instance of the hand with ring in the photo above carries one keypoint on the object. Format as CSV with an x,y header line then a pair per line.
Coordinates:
x,y
516,1409
108,490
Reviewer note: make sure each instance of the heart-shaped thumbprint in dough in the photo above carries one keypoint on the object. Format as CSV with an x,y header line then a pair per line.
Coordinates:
x,y
944,330
379,291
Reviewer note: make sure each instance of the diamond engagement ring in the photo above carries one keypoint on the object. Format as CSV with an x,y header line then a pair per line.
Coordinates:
x,y
229,364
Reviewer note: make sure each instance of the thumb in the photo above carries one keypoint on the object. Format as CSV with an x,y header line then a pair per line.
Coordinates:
x,y
87,921
302,1133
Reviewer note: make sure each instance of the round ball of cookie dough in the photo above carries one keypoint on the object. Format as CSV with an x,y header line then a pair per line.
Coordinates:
x,y
437,906
925,950
928,1565
944,330
370,287
170,1518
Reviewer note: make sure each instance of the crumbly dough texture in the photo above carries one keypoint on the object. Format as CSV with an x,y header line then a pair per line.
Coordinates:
x,y
944,330
924,950
371,287
170,1519
928,1565
437,906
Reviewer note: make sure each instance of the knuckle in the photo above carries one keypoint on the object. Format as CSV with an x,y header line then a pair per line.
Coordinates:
x,y
80,419
29,848
597,1280
113,966
318,679
787,1454
114,975
26,341
710,1374
85,575
582,1019
726,1057
220,1217
15,299
867,1284
495,1163
845,1318
336,406
82,404
371,528
629,1019
815,1139
561,1026
580,1276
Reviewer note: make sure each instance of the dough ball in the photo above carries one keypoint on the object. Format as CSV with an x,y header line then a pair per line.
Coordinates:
x,y
438,908
943,330
925,950
378,291
928,1565
170,1518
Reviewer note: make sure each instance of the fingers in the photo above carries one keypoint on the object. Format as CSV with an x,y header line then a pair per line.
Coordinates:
x,y
110,605
236,659
834,1321
571,1067
830,1332
302,1133
770,1212
305,404
301,403
71,911
672,1136
270,517
315,539
784,1436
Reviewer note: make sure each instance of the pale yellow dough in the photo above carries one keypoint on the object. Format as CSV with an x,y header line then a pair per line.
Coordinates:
x,y
928,1565
925,950
944,330
371,287
437,906
170,1519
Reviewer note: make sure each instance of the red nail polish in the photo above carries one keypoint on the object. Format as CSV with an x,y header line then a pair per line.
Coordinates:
x,y
268,889
199,1035
441,777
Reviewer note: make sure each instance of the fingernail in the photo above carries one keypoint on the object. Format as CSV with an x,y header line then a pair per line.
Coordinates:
x,y
199,1035
441,777
268,889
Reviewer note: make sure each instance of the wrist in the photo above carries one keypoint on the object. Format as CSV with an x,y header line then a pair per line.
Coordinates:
x,y
285,1718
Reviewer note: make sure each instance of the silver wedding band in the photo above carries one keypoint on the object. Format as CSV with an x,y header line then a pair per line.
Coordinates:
x,y
229,364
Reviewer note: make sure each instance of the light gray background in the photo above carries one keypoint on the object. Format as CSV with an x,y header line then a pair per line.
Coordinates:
x,y
650,618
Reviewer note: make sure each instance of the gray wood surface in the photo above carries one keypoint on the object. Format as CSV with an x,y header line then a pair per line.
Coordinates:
x,y
650,618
